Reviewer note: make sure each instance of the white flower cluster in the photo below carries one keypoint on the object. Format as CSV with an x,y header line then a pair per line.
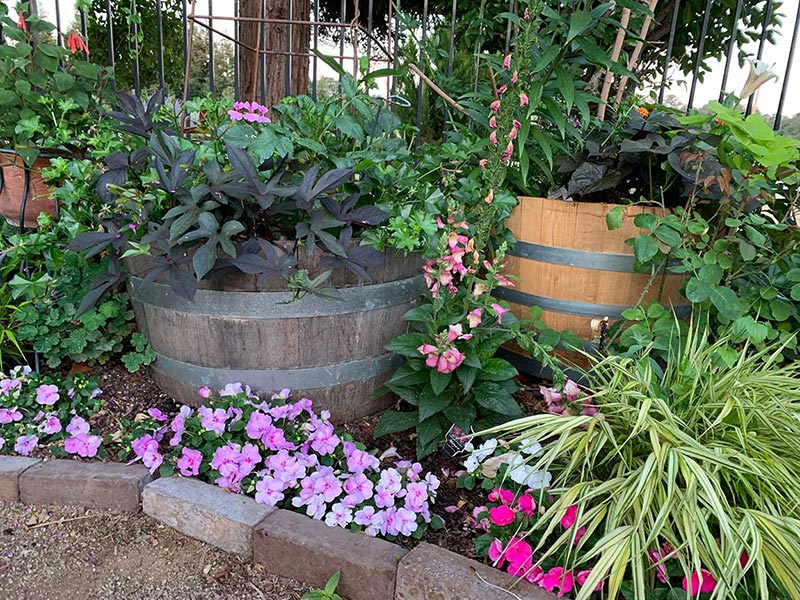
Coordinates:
x,y
485,459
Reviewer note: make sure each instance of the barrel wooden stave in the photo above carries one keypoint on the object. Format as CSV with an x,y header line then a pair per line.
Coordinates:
x,y
331,351
594,280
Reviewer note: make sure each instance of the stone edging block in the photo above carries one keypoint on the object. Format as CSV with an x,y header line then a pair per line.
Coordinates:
x,y
11,467
205,512
432,573
91,484
293,545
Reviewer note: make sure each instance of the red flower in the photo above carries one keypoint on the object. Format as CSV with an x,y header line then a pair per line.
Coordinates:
x,y
21,22
568,520
701,582
75,43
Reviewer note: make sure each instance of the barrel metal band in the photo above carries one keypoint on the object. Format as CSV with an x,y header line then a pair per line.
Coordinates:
x,y
301,379
573,307
279,305
598,261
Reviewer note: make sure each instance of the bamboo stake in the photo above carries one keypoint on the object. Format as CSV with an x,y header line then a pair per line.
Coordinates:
x,y
615,52
637,51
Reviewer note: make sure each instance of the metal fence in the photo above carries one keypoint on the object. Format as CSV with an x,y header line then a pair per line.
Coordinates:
x,y
377,30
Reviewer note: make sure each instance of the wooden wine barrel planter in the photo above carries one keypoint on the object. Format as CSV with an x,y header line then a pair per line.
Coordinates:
x,y
15,185
575,269
332,351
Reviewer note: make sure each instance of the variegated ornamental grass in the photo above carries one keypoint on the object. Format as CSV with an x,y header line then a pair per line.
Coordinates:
x,y
702,456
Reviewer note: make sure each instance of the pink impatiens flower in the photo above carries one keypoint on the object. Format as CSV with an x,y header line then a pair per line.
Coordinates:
x,y
47,394
501,495
83,444
50,425
213,420
77,426
559,578
582,576
25,444
501,515
8,385
189,462
702,582
9,415
568,520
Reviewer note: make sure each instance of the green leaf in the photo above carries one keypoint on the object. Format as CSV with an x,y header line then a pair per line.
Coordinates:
x,y
726,302
430,434
493,397
466,375
431,404
462,414
566,86
349,127
497,369
697,291
407,344
439,381
748,251
333,582
578,21
644,248
394,421
614,217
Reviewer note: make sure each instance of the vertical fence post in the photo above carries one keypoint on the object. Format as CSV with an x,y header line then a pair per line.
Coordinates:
x,y
289,46
421,83
59,34
450,60
160,35
133,15
211,47
110,28
761,40
731,47
670,44
699,58
236,50
316,44
785,86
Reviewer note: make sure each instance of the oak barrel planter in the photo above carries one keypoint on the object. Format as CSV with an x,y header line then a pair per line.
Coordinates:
x,y
332,351
573,267
15,185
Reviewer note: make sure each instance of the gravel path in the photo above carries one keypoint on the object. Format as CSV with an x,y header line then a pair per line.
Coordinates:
x,y
84,554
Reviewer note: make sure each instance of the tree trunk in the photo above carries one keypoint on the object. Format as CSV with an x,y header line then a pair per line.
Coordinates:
x,y
284,74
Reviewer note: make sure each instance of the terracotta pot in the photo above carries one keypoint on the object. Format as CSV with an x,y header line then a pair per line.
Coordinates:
x,y
12,189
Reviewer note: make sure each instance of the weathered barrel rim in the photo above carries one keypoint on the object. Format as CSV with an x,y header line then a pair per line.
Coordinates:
x,y
278,305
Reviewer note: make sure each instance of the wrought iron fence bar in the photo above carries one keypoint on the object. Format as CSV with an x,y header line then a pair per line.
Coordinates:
x,y
236,36
137,86
289,48
261,58
789,60
211,86
508,28
59,34
761,41
396,47
731,48
186,58
315,60
421,83
699,58
670,46
369,29
84,30
342,29
160,35
450,59
481,16
110,27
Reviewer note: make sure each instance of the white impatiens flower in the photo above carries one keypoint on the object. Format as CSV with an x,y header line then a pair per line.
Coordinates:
x,y
524,474
477,456
530,447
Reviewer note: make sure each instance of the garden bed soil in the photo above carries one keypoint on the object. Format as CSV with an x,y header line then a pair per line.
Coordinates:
x,y
128,394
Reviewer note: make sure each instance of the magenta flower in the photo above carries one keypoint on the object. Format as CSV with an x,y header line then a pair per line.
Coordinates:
x,y
47,394
269,491
501,495
474,318
582,576
189,462
359,460
77,426
571,390
702,582
9,415
258,424
523,99
204,392
501,515
26,444
84,445
527,505
570,515
232,389
400,521
557,577
661,570
495,106
358,489
139,445
507,61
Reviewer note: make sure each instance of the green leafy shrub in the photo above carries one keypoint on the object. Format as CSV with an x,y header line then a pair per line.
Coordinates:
x,y
702,455
52,325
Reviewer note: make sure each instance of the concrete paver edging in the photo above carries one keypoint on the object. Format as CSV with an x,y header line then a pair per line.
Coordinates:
x,y
284,542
